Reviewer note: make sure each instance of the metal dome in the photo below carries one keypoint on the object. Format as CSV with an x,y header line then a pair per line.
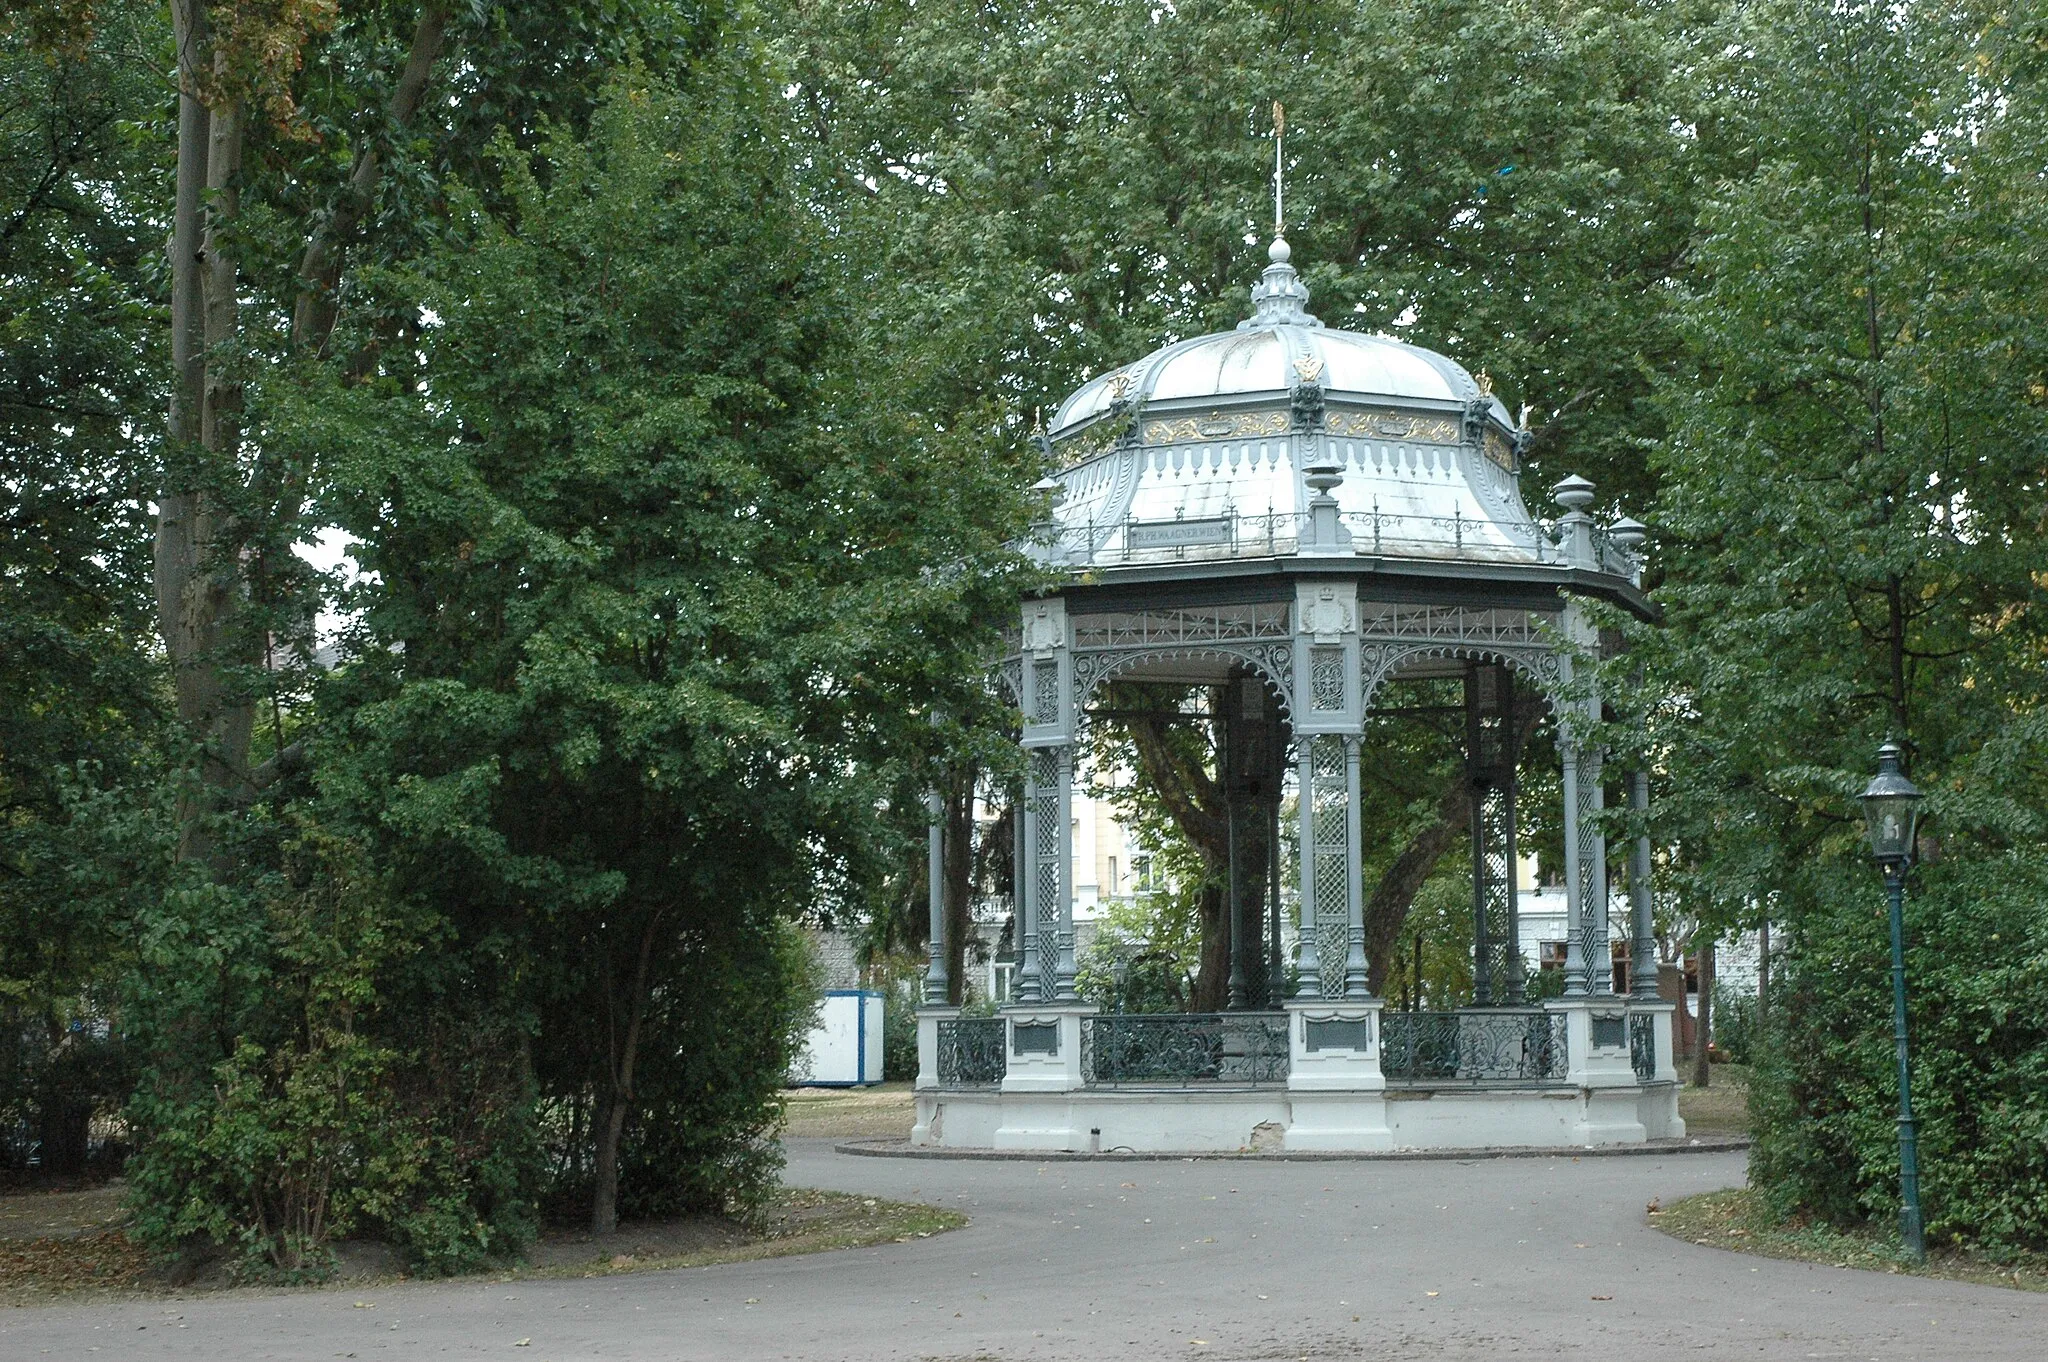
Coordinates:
x,y
1267,354
1205,447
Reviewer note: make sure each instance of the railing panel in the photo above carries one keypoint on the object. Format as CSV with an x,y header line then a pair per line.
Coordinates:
x,y
1495,1046
1642,1045
971,1052
1243,1049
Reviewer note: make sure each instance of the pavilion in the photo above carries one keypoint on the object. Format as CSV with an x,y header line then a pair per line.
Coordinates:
x,y
1294,515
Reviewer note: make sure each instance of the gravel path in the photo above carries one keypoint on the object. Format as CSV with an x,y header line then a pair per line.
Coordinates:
x,y
1525,1258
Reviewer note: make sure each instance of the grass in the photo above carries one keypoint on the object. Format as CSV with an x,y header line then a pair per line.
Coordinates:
x,y
849,1113
105,1263
1720,1108
1736,1220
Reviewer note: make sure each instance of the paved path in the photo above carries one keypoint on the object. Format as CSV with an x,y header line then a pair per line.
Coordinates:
x,y
1525,1258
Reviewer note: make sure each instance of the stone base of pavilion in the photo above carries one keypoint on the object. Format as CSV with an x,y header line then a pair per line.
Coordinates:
x,y
1316,1077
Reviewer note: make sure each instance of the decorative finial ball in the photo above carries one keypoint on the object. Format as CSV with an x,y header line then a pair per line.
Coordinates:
x,y
1279,252
1574,493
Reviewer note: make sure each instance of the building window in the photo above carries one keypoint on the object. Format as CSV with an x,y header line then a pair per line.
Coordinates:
x,y
1114,886
1550,954
1001,976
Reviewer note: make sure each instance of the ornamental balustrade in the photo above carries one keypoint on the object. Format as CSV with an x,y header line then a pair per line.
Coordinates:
x,y
1233,1049
1230,534
1501,1046
971,1052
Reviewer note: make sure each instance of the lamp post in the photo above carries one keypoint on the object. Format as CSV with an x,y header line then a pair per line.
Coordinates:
x,y
1891,815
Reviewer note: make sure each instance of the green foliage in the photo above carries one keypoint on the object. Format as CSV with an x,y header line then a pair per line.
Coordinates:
x,y
343,1106
79,689
1734,1023
1849,530
1977,996
899,1030
732,1021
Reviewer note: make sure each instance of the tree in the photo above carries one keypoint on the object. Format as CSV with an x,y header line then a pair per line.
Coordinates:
x,y
80,692
652,629
1850,517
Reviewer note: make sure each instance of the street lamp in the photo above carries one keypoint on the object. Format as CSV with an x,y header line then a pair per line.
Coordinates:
x,y
1891,816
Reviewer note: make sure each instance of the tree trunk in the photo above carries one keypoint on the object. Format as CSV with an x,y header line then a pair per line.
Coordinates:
x,y
1386,912
1763,973
317,308
1197,807
617,1102
1703,1034
958,887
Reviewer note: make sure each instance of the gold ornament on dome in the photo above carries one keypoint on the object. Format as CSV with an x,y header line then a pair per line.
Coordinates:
x,y
1394,425
1216,426
1308,368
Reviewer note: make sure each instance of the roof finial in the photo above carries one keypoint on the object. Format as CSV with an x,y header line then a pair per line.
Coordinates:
x,y
1279,171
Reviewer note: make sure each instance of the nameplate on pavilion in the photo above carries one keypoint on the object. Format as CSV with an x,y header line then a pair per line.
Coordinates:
x,y
1174,534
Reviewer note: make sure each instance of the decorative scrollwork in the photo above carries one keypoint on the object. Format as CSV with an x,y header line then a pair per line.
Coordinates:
x,y
1490,1046
1273,661
971,1052
1380,660
1236,1048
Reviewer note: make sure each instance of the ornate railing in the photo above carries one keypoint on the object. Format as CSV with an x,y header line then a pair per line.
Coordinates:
x,y
1501,1046
1244,1049
971,1052
1642,1045
1231,534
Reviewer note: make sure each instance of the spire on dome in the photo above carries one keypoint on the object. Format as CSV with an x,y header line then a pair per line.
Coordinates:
x,y
1279,298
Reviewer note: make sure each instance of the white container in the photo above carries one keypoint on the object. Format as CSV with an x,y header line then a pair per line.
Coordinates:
x,y
844,1049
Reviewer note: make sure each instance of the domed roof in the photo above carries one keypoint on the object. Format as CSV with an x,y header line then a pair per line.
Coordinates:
x,y
1211,448
1268,353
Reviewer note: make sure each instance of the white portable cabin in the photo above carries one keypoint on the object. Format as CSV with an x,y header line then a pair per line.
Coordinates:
x,y
844,1048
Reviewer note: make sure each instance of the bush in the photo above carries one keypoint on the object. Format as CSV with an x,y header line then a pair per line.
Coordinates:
x,y
1734,1023
1824,1091
355,1098
899,1031
703,1138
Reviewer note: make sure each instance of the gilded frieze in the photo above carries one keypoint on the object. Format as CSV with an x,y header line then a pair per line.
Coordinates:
x,y
1394,425
1216,426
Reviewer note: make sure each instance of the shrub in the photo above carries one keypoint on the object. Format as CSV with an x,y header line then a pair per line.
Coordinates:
x,y
1824,1093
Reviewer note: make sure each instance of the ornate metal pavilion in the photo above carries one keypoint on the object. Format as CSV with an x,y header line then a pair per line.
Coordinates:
x,y
1294,515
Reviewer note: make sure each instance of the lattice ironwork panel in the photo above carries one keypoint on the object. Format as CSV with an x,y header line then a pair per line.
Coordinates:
x,y
1247,1049
1593,918
1332,853
1497,965
1482,1046
971,1052
1045,866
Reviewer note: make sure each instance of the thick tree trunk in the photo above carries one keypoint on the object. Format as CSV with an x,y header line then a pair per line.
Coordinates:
x,y
1197,807
958,903
1386,911
1703,1034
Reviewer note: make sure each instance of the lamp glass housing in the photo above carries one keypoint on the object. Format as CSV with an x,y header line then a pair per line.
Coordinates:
x,y
1891,810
